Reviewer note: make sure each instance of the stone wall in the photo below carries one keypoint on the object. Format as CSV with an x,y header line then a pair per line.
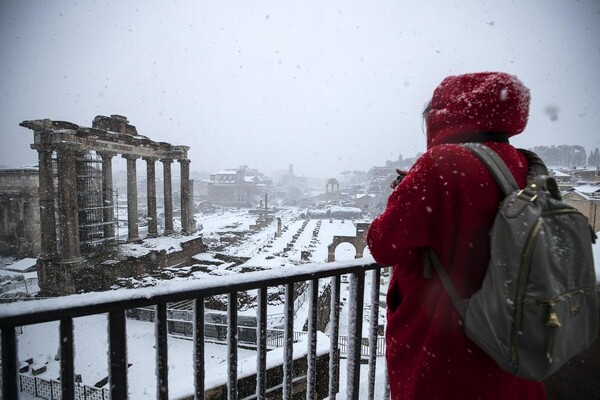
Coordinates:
x,y
19,213
57,278
247,385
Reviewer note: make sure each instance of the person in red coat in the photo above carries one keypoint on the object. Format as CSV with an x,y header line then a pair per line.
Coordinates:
x,y
448,201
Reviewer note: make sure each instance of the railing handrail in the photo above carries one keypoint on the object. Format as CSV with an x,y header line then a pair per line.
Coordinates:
x,y
79,305
116,303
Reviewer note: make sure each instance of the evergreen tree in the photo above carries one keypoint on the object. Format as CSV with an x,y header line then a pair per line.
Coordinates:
x,y
596,158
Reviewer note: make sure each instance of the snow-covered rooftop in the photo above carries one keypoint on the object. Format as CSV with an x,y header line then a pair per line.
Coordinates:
x,y
587,189
556,172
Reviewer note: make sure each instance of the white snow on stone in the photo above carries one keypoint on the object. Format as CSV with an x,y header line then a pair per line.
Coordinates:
x,y
23,265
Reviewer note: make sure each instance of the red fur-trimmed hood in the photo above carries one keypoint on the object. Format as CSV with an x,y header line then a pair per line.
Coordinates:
x,y
469,104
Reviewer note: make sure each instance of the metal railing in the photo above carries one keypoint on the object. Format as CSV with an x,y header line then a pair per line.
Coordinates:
x,y
180,324
116,303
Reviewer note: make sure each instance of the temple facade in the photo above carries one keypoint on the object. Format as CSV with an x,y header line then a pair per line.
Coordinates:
x,y
76,202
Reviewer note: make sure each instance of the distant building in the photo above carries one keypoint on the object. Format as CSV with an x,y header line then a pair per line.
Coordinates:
x,y
584,174
586,198
379,180
240,187
560,176
291,179
364,201
19,212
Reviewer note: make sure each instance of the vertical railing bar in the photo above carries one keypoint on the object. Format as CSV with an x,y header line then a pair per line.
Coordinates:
x,y
288,354
355,317
261,345
199,372
334,332
375,277
311,384
162,356
232,350
117,355
9,363
67,362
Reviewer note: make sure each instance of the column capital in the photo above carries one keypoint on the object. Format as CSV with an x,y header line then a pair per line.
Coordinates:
x,y
106,154
67,146
184,160
150,159
166,160
130,156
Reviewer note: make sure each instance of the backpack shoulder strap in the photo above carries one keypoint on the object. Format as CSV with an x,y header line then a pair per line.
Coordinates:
x,y
536,165
538,172
459,303
495,165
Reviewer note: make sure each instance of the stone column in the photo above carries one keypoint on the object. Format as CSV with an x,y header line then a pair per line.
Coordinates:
x,y
151,190
5,221
68,213
192,208
47,210
185,196
107,196
132,209
168,195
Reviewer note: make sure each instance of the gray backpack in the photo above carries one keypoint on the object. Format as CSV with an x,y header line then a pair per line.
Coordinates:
x,y
538,304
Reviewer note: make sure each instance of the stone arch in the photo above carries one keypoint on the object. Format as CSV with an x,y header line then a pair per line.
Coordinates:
x,y
359,241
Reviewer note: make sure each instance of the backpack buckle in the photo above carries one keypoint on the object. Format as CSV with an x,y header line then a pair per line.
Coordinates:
x,y
527,195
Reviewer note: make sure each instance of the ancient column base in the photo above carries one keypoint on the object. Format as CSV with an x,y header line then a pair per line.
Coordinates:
x,y
55,278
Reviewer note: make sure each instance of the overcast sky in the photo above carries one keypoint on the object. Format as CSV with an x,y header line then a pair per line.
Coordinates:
x,y
326,86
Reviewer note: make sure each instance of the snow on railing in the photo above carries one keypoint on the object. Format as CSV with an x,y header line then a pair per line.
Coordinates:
x,y
115,304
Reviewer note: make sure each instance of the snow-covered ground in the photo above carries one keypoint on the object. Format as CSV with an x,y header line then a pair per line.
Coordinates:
x,y
264,250
40,342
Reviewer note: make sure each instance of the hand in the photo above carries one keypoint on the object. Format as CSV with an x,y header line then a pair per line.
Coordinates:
x,y
401,175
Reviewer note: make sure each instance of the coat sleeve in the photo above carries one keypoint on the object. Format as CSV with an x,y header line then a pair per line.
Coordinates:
x,y
409,218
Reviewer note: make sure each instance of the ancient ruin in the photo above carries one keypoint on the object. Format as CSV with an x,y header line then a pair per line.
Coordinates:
x,y
19,212
359,241
332,191
76,199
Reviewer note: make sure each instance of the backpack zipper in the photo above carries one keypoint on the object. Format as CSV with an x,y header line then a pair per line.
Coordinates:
x,y
553,322
560,211
521,288
565,295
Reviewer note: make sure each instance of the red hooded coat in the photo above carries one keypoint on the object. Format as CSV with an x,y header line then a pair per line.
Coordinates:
x,y
448,201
